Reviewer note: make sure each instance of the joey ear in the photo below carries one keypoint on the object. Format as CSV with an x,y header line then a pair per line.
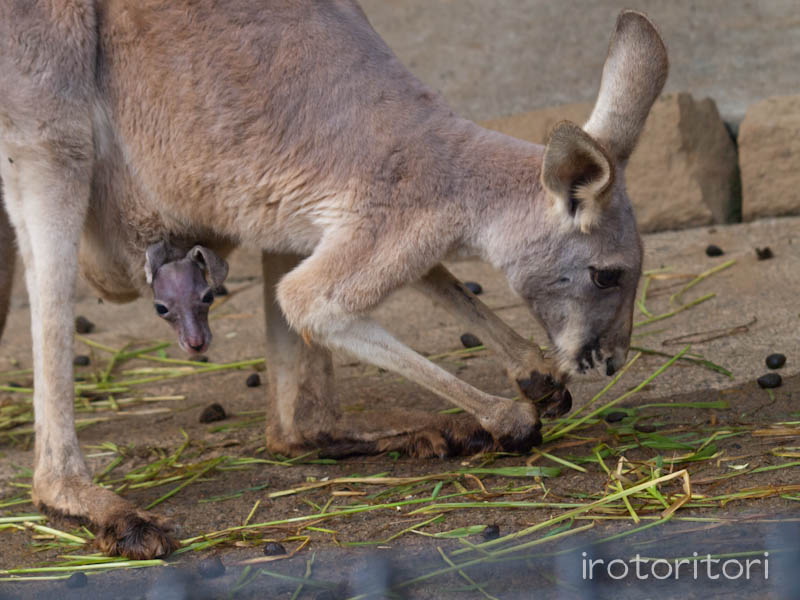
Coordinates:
x,y
155,257
633,76
215,267
577,171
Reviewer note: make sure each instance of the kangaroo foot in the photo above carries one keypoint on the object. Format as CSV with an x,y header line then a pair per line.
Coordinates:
x,y
425,435
121,529
551,397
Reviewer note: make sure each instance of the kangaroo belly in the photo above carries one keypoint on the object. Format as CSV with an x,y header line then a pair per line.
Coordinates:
x,y
109,277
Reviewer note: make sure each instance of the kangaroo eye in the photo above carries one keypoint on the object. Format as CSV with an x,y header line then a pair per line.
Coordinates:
x,y
208,298
605,278
161,309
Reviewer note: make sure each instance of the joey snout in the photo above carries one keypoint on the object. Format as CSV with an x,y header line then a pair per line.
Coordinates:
x,y
194,334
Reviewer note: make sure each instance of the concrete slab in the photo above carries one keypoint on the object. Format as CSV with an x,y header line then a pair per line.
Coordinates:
x,y
506,56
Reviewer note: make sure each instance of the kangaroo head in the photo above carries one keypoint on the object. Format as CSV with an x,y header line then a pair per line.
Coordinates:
x,y
580,271
182,296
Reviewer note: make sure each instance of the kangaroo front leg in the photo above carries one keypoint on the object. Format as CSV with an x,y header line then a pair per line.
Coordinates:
x,y
513,424
302,411
326,298
531,373
47,203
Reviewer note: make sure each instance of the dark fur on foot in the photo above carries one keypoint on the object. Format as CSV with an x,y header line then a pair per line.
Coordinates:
x,y
329,448
469,441
522,443
128,534
134,537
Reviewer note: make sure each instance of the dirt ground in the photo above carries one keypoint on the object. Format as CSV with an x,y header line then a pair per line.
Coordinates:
x,y
756,428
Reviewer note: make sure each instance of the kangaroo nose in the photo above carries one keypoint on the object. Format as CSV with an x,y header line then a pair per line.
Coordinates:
x,y
611,367
197,347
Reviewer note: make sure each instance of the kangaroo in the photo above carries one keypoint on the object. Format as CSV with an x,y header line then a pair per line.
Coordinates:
x,y
182,294
291,127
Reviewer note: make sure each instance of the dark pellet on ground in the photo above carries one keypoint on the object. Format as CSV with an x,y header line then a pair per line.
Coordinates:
x,y
492,532
714,250
764,253
253,380
274,549
211,568
221,291
81,360
776,361
14,384
213,412
473,287
77,580
644,428
770,380
83,325
470,341
200,358
615,416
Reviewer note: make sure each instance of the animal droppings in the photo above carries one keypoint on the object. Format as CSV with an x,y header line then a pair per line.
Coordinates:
x,y
274,549
714,250
81,360
253,380
776,360
644,428
470,341
764,253
213,412
770,380
211,568
473,287
83,325
492,532
77,580
615,416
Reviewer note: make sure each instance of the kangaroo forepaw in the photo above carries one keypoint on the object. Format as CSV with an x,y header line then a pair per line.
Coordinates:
x,y
522,442
515,426
550,396
137,536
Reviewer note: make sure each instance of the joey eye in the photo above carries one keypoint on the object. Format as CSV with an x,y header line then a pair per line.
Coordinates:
x,y
208,297
161,309
605,278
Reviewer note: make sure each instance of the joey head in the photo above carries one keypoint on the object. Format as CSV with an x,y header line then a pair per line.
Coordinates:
x,y
183,290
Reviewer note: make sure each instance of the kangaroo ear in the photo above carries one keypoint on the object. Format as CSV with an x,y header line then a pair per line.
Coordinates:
x,y
633,76
216,268
155,257
577,173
